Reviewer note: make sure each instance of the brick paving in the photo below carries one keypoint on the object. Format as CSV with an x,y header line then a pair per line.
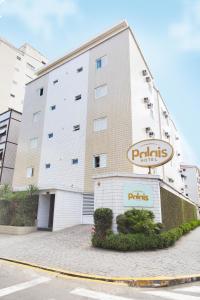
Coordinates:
x,y
71,249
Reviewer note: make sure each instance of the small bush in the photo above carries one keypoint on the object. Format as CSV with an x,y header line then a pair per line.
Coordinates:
x,y
137,221
103,221
141,241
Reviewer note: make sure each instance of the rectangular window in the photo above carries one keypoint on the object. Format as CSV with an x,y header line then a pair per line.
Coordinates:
x,y
36,116
19,58
47,166
31,67
100,124
55,81
50,135
79,70
78,97
53,107
33,143
100,161
41,91
12,95
29,172
101,91
1,154
101,62
76,127
74,161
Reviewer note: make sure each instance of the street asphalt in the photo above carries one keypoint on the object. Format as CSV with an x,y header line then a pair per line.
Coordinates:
x,y
22,283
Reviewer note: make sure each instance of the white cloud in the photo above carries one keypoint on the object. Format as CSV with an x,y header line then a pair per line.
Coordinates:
x,y
186,31
39,16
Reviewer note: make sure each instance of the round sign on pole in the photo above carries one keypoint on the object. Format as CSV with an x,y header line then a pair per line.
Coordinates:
x,y
150,153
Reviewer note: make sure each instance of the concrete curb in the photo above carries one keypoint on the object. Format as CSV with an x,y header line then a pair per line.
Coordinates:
x,y
159,281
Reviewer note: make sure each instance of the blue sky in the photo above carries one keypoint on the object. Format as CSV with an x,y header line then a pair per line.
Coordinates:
x,y
167,31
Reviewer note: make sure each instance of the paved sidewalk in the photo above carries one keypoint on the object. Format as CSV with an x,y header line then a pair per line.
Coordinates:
x,y
71,249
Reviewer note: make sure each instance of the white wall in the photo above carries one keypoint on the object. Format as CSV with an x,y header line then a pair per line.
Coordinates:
x,y
191,182
109,193
67,209
66,144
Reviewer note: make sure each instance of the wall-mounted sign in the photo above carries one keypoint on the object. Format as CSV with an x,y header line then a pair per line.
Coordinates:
x,y
150,153
138,195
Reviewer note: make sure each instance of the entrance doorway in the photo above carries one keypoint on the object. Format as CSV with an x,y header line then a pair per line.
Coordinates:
x,y
51,211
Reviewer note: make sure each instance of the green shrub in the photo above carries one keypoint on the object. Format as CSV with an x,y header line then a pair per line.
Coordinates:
x,y
103,221
141,241
137,221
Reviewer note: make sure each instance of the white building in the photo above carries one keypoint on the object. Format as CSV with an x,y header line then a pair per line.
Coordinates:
x,y
17,67
191,179
80,116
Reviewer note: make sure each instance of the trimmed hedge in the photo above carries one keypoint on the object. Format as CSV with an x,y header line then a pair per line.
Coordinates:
x,y
175,210
140,241
103,221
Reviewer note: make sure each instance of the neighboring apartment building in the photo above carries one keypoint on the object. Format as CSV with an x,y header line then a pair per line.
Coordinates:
x,y
191,179
9,133
80,116
17,67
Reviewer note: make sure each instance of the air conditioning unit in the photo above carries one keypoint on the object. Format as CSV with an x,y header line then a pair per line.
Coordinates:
x,y
146,100
167,134
178,154
144,73
171,180
148,129
165,114
151,134
182,189
150,105
148,79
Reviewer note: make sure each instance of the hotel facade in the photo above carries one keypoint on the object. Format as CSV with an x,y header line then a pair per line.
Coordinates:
x,y
80,116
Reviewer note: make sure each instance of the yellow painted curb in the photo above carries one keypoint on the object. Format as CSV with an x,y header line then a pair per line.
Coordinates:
x,y
157,281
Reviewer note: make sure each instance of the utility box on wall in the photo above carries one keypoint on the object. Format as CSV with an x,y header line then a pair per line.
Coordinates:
x,y
120,192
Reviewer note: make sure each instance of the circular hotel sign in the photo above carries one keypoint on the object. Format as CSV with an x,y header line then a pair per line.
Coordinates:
x,y
150,153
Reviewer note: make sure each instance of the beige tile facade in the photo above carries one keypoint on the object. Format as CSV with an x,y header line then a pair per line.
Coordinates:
x,y
115,140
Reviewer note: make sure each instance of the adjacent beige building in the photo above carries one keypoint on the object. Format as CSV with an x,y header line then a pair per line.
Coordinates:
x,y
17,67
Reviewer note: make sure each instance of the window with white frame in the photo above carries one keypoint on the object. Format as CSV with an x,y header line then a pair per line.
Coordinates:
x,y
101,62
100,124
36,116
52,107
74,161
33,143
41,91
76,127
50,135
100,161
29,172
101,91
48,166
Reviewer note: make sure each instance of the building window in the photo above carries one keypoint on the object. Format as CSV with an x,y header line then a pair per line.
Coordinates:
x,y
1,154
101,91
31,67
29,172
33,143
19,58
55,81
101,62
50,135
12,95
36,116
78,97
41,91
79,70
100,124
100,161
53,107
47,166
76,127
74,161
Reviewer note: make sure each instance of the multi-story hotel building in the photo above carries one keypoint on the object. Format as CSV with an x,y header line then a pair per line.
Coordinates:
x,y
9,133
191,179
80,116
17,67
